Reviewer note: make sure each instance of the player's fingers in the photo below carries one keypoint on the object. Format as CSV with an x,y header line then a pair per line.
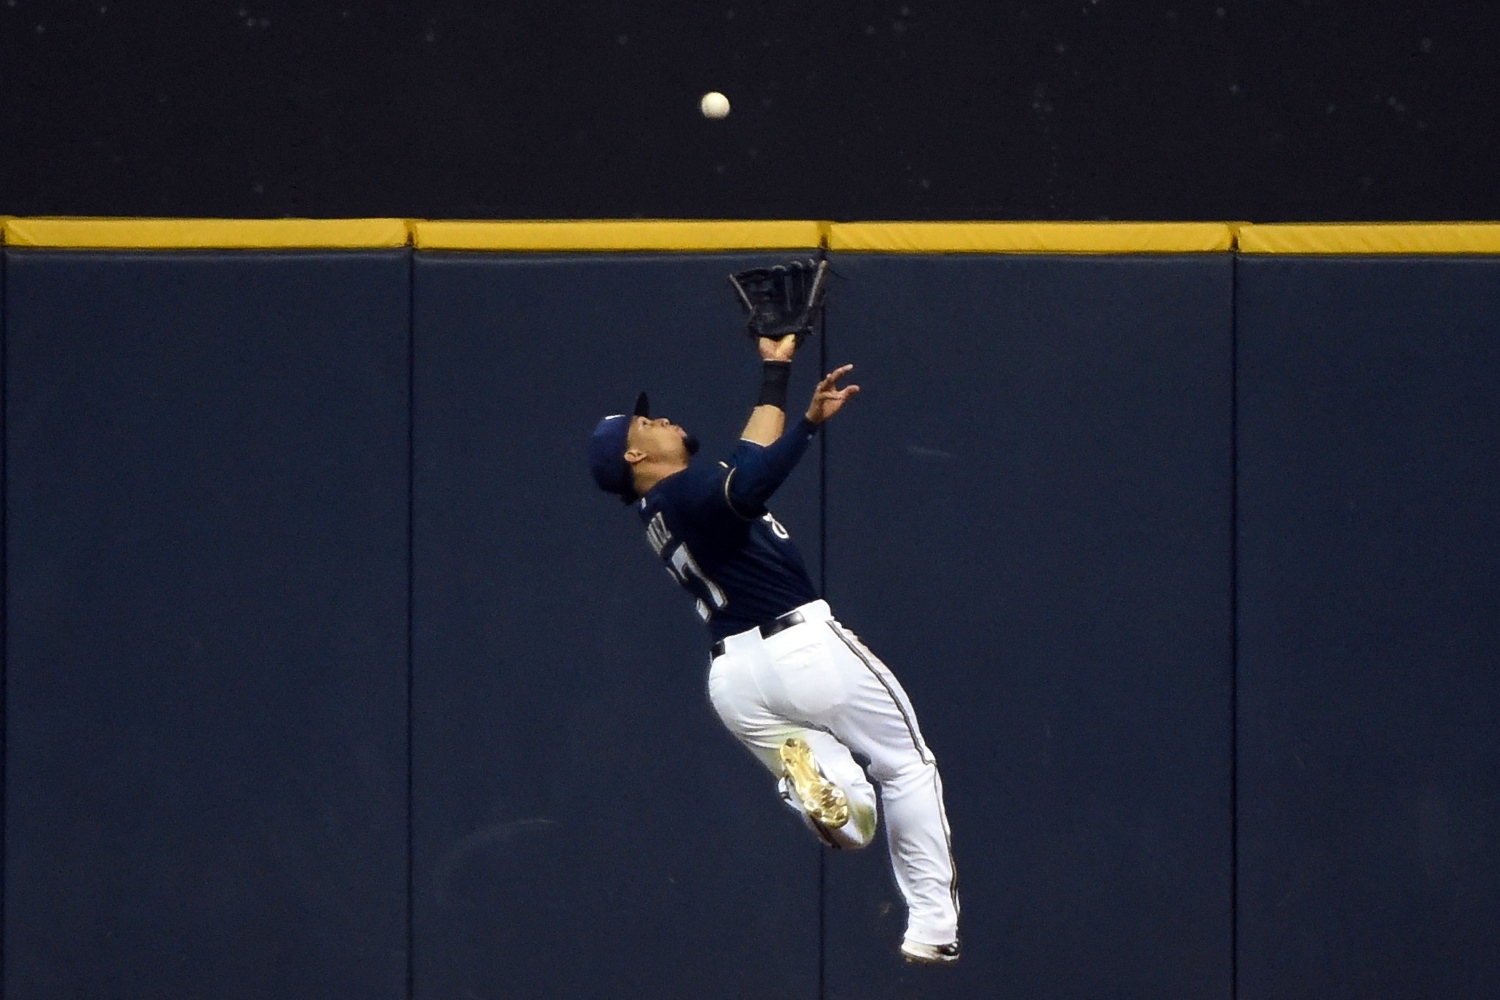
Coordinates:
x,y
836,374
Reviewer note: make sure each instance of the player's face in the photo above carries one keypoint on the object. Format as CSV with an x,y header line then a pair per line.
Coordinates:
x,y
660,438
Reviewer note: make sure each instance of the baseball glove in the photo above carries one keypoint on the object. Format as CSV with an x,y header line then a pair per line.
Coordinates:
x,y
783,299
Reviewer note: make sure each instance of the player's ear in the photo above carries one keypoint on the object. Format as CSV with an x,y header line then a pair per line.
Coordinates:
x,y
634,455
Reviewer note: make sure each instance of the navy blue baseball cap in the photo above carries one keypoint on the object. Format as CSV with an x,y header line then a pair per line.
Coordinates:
x,y
607,451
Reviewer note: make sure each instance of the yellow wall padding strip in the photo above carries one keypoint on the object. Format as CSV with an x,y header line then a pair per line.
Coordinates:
x,y
1030,237
691,235
1399,238
619,234
207,234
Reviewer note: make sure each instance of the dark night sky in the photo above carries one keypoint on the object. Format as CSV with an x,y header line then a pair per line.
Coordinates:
x,y
1265,111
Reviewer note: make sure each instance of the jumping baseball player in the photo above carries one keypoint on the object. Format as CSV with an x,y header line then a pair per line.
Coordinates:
x,y
796,687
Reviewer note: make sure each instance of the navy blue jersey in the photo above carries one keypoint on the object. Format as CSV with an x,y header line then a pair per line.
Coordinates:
x,y
723,546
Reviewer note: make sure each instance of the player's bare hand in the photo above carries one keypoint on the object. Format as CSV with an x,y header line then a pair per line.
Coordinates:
x,y
778,350
828,398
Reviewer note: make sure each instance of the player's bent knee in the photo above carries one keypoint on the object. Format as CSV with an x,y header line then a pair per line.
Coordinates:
x,y
859,832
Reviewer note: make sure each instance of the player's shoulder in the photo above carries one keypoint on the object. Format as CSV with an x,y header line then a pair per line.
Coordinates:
x,y
745,451
697,481
697,491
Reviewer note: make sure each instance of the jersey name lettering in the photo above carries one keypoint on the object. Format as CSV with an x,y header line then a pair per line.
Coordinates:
x,y
740,573
707,595
657,534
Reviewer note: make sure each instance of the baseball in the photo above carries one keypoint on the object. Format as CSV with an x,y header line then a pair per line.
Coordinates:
x,y
714,105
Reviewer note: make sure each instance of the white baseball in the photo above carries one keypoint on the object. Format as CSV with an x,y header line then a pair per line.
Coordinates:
x,y
714,105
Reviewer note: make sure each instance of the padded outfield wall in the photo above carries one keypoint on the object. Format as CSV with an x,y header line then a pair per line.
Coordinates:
x,y
328,671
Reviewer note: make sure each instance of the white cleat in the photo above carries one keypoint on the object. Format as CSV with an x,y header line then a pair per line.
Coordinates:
x,y
929,954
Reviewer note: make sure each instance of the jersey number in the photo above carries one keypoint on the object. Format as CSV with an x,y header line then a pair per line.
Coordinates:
x,y
686,571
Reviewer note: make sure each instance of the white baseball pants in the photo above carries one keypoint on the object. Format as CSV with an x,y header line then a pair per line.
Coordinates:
x,y
817,681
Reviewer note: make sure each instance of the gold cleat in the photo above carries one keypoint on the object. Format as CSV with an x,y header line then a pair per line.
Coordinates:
x,y
823,801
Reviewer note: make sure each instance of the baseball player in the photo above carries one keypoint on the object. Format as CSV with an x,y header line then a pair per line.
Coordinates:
x,y
795,686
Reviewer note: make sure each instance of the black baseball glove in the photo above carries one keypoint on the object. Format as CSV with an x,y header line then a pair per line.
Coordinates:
x,y
783,299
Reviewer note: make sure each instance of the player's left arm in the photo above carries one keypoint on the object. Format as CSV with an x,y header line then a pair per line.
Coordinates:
x,y
757,471
768,420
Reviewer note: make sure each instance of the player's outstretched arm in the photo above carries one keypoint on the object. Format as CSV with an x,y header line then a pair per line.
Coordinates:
x,y
759,471
828,398
768,419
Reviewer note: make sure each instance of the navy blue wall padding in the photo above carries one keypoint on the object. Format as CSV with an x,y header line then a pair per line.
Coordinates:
x,y
1369,628
4,537
583,824
206,733
330,673
1029,521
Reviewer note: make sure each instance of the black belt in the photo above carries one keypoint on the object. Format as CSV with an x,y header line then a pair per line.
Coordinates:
x,y
767,630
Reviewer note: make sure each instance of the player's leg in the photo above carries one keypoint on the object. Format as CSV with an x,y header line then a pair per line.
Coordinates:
x,y
794,752
876,719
